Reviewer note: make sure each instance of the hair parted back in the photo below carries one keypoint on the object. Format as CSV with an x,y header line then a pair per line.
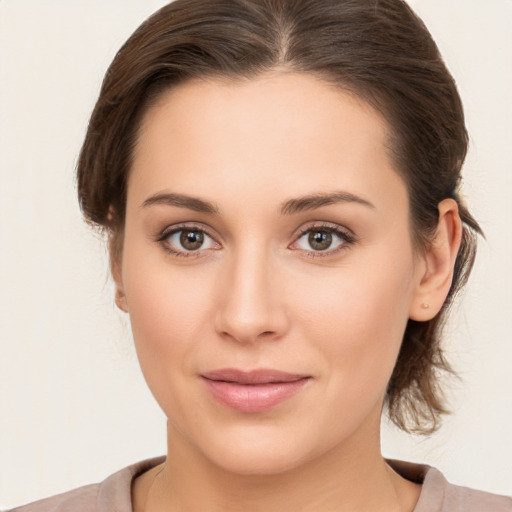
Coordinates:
x,y
377,49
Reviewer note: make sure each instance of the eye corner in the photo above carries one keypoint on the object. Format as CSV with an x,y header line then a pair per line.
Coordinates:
x,y
172,240
329,233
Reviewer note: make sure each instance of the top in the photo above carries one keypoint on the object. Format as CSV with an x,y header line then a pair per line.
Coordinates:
x,y
114,493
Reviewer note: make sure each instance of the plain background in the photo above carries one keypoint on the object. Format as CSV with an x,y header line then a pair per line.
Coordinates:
x,y
73,404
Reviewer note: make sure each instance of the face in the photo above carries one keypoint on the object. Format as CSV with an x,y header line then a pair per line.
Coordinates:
x,y
267,268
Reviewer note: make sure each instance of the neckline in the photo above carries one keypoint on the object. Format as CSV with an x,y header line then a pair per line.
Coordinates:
x,y
117,487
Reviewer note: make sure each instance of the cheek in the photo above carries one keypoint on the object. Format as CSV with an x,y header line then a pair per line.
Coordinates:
x,y
358,318
159,310
168,310
162,298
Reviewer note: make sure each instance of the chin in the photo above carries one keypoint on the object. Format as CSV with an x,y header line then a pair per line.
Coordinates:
x,y
259,450
258,460
253,449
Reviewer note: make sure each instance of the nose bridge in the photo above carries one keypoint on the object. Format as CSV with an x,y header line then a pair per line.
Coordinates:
x,y
250,305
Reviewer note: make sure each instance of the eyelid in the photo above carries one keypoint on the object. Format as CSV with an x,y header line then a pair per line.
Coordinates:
x,y
164,235
181,226
327,226
347,235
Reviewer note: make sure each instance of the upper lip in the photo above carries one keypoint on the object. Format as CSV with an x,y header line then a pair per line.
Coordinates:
x,y
258,376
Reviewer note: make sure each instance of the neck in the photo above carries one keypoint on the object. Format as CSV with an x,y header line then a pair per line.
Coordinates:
x,y
350,477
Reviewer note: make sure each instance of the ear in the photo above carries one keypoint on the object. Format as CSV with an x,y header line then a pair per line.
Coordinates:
x,y
435,266
116,255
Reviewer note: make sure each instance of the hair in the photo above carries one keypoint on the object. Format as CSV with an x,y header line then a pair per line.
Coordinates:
x,y
378,50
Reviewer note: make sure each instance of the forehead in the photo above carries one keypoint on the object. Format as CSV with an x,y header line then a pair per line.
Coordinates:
x,y
280,130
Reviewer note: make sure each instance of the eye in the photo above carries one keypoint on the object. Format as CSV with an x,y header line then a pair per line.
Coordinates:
x,y
182,241
323,239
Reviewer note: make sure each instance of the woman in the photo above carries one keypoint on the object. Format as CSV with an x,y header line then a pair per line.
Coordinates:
x,y
279,184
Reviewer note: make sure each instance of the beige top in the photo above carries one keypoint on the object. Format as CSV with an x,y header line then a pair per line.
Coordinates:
x,y
114,493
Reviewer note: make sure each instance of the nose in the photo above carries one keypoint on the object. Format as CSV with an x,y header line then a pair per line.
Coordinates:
x,y
250,300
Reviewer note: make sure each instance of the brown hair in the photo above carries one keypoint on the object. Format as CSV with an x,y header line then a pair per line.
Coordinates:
x,y
377,49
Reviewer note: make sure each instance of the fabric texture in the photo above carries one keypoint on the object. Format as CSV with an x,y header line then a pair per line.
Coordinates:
x,y
114,493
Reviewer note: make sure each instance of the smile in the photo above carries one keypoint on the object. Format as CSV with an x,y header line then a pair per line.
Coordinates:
x,y
254,391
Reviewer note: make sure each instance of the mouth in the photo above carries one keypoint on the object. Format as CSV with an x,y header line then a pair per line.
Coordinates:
x,y
253,391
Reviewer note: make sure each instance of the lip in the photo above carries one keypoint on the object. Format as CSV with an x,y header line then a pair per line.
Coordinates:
x,y
253,391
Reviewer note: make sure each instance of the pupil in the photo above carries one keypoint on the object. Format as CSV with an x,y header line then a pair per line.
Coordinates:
x,y
191,240
320,240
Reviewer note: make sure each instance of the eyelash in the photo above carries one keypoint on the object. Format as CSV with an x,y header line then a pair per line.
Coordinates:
x,y
346,237
164,237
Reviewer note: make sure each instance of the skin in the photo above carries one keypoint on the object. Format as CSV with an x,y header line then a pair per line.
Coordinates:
x,y
257,295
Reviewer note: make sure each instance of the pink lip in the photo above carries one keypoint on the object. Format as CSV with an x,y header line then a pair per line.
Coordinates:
x,y
252,391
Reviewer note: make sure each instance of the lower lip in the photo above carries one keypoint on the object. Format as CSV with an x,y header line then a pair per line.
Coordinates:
x,y
253,397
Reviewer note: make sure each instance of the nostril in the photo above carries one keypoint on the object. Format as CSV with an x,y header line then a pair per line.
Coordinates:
x,y
267,333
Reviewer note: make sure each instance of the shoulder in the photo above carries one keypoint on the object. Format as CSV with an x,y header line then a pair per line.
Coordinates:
x,y
83,499
458,498
114,493
439,495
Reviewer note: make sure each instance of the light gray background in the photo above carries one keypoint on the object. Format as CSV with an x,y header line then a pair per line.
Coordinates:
x,y
73,405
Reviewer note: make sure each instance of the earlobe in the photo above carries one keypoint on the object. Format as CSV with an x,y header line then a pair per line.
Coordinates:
x,y
115,254
436,271
120,300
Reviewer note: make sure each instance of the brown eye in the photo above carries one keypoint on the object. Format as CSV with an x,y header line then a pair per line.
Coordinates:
x,y
323,240
188,241
191,240
320,240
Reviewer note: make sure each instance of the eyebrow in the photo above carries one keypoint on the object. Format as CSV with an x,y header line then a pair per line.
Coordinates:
x,y
289,207
314,201
182,201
